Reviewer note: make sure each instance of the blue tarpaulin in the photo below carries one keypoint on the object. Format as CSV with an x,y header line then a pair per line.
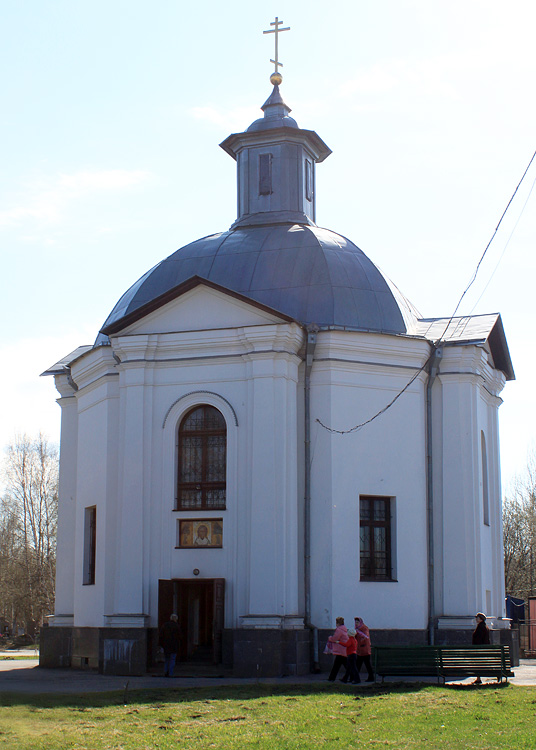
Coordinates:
x,y
515,608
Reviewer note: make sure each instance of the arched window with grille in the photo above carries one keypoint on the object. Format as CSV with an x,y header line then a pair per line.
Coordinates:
x,y
202,459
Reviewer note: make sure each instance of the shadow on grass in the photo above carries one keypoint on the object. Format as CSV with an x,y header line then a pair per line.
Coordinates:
x,y
245,692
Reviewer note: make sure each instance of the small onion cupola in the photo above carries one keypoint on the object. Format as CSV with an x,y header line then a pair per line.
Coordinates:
x,y
275,166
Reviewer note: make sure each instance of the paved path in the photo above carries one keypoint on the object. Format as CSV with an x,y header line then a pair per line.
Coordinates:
x,y
25,676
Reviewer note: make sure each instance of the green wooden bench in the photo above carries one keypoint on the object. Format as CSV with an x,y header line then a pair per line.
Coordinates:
x,y
443,662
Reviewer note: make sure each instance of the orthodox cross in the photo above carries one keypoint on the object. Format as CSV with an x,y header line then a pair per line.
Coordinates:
x,y
277,23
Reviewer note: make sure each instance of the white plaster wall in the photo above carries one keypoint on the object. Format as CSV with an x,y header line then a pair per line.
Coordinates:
x,y
460,488
491,547
95,465
485,532
437,491
468,552
249,374
300,464
113,530
495,488
202,308
165,560
133,395
356,376
322,459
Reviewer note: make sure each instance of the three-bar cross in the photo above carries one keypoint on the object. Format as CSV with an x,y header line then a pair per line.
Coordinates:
x,y
277,23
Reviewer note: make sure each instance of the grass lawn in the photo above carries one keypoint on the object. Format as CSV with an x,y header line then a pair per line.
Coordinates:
x,y
6,657
277,717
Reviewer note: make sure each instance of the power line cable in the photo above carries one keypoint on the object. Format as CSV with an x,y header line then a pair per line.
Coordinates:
x,y
382,411
506,246
469,285
438,341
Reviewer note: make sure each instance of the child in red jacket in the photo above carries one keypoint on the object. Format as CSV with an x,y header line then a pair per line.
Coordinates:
x,y
351,659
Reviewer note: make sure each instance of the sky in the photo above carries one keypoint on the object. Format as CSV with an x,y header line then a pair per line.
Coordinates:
x,y
112,113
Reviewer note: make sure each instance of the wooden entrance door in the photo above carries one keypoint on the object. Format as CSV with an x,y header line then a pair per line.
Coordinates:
x,y
200,607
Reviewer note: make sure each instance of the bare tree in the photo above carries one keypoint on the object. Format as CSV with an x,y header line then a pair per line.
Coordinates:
x,y
519,535
28,521
10,565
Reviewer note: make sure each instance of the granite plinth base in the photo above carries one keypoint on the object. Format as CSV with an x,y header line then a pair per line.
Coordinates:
x,y
114,651
267,652
245,652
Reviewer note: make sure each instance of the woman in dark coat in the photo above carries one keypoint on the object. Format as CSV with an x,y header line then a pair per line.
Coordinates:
x,y
481,632
480,636
170,636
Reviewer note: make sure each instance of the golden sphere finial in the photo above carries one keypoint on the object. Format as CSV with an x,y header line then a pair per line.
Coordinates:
x,y
276,79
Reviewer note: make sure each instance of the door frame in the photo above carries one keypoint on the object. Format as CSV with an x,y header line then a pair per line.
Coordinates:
x,y
169,594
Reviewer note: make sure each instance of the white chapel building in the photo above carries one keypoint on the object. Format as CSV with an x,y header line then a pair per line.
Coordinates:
x,y
202,468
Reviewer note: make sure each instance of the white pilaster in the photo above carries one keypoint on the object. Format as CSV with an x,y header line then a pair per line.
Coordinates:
x,y
461,554
273,502
64,603
134,461
495,503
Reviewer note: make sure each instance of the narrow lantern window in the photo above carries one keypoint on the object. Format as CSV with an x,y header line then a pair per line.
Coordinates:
x,y
265,174
308,180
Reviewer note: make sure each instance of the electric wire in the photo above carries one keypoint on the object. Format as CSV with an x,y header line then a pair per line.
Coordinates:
x,y
469,285
382,411
505,247
438,341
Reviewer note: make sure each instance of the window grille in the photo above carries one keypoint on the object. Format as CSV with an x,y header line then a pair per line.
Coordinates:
x,y
375,538
202,460
90,545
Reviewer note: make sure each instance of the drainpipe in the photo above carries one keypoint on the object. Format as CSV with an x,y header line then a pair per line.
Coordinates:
x,y
70,380
311,332
433,369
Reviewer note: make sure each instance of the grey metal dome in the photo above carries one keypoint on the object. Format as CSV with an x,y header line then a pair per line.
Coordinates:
x,y
274,253
310,274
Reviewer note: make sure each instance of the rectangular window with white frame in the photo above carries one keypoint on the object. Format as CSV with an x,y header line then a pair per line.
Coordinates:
x,y
90,545
377,538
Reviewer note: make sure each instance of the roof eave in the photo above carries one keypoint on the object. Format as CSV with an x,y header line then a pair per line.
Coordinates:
x,y
499,350
235,142
63,366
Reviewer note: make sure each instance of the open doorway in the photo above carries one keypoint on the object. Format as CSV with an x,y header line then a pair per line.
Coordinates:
x,y
199,606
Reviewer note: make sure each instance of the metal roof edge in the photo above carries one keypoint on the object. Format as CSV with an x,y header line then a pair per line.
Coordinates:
x,y
63,365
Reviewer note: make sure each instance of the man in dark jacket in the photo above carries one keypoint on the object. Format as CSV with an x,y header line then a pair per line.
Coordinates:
x,y
170,635
480,636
